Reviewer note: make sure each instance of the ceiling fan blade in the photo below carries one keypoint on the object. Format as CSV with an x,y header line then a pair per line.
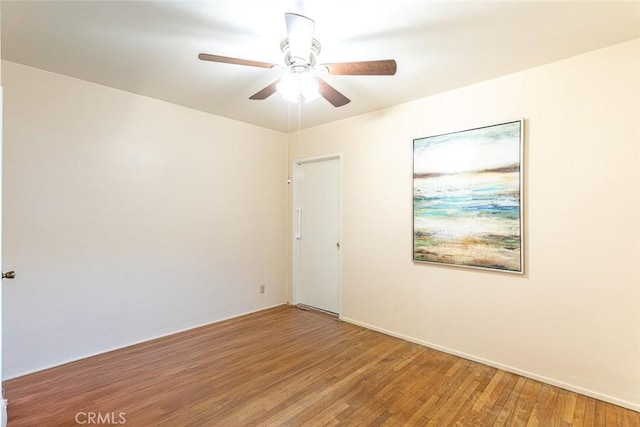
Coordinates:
x,y
384,67
300,32
331,94
266,92
236,61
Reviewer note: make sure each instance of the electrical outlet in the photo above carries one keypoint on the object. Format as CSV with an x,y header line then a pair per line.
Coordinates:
x,y
262,289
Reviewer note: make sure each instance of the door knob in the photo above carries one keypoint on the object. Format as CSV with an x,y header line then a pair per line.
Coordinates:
x,y
9,275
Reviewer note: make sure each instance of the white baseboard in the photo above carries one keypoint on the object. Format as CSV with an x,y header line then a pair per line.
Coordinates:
x,y
107,350
533,376
3,413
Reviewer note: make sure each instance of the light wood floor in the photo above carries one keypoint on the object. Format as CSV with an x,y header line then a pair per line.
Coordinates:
x,y
290,367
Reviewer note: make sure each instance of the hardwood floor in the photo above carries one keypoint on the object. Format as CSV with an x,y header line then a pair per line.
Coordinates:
x,y
290,367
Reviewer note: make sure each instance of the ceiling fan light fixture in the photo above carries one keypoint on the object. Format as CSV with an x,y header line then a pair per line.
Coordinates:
x,y
304,80
295,87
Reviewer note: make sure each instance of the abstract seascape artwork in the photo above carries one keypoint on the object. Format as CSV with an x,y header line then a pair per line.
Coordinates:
x,y
467,198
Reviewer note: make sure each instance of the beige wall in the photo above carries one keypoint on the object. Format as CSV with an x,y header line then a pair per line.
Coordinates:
x,y
127,218
574,318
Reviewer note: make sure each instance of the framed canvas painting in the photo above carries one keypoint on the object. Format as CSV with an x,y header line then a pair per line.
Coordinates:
x,y
467,198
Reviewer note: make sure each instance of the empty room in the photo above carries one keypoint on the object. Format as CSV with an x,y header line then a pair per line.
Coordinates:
x,y
303,213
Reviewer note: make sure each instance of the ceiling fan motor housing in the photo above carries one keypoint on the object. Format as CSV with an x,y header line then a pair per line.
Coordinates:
x,y
300,64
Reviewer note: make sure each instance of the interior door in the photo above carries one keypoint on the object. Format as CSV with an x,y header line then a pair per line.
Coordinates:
x,y
3,402
317,233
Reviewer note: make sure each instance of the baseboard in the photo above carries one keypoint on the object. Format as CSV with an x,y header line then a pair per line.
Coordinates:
x,y
108,350
533,376
3,412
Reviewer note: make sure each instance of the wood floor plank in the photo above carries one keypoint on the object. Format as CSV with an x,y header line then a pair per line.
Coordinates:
x,y
450,407
289,367
500,402
441,389
611,416
601,413
578,413
630,419
526,402
558,411
472,395
590,412
569,409
542,406
486,398
509,405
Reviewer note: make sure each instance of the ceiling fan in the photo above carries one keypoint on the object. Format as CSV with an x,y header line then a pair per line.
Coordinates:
x,y
301,51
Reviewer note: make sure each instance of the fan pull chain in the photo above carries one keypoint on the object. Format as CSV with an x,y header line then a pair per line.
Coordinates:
x,y
288,143
299,121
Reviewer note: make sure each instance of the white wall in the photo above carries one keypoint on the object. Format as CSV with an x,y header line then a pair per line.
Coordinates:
x,y
574,318
127,218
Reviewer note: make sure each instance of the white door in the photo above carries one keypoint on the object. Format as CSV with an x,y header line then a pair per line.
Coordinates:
x,y
317,233
3,403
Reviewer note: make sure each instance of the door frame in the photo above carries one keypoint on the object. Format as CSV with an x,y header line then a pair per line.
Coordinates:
x,y
295,242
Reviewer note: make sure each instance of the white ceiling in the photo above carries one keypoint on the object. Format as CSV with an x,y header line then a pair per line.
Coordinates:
x,y
151,47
